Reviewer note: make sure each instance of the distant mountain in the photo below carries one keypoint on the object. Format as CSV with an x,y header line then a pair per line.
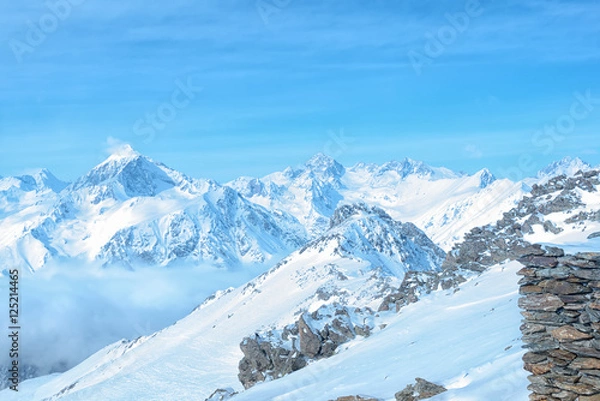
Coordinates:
x,y
22,191
131,210
443,203
38,180
127,174
24,200
218,226
311,193
567,166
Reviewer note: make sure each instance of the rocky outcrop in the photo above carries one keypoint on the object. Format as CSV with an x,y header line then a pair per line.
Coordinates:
x,y
416,284
561,327
422,390
356,398
315,336
262,360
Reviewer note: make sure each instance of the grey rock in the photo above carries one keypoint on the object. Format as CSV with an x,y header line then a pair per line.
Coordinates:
x,y
222,395
422,390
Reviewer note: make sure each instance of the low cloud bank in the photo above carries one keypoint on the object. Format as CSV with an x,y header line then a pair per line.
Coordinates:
x,y
70,311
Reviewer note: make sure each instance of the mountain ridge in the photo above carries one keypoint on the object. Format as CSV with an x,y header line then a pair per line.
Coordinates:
x,y
108,213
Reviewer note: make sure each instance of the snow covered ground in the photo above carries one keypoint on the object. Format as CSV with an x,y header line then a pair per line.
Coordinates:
x,y
468,341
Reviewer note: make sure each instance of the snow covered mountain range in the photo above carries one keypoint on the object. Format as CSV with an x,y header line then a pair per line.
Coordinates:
x,y
130,210
318,325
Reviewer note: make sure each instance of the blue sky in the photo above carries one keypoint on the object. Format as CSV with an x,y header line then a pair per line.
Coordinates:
x,y
276,81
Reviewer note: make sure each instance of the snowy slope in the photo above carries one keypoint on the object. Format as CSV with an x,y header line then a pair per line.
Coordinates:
x,y
468,341
358,262
443,203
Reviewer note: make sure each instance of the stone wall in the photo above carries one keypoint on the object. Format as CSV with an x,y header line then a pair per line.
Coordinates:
x,y
560,298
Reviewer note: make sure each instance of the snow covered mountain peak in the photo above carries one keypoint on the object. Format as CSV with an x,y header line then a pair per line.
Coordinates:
x,y
357,210
567,166
405,169
325,167
123,152
486,178
366,233
34,180
128,174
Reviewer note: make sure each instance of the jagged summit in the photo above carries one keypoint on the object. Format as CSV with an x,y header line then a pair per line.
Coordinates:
x,y
325,166
359,231
130,173
123,152
346,212
34,180
406,168
567,166
485,178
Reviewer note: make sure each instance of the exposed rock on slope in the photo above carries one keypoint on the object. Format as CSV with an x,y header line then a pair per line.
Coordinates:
x,y
314,336
392,250
562,204
422,390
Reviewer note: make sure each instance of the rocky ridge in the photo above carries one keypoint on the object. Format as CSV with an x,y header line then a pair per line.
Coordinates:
x,y
508,238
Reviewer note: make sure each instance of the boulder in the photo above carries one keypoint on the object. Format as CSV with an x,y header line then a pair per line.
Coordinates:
x,y
422,390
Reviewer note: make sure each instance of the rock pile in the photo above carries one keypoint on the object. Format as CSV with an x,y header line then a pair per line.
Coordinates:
x,y
422,390
561,329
